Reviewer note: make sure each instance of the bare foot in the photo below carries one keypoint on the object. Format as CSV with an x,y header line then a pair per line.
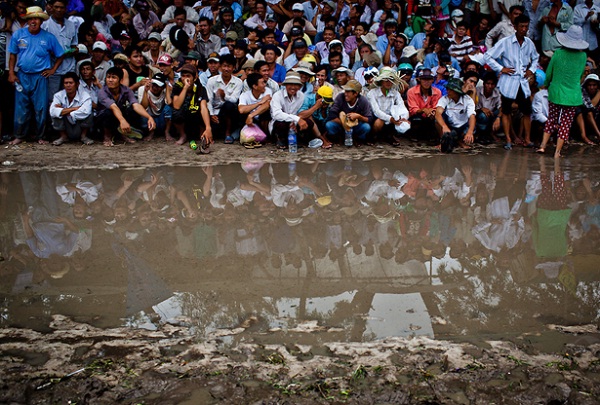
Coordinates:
x,y
169,138
128,140
181,141
149,138
42,142
108,143
557,155
15,141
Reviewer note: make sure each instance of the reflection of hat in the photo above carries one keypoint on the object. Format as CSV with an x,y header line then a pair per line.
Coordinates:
x,y
165,59
572,39
194,55
36,12
297,7
304,67
456,85
409,51
232,35
99,45
270,47
187,68
155,36
353,85
213,57
335,42
292,78
159,79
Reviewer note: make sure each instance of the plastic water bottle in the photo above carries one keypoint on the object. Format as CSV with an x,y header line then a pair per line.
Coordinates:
x,y
292,141
18,87
348,138
193,145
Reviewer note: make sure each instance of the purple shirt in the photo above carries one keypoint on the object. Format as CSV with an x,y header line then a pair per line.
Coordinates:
x,y
106,100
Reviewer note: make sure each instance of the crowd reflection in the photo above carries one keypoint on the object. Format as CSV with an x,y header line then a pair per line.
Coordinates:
x,y
257,217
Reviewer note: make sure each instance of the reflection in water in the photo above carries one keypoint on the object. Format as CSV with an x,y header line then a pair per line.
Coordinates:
x,y
459,245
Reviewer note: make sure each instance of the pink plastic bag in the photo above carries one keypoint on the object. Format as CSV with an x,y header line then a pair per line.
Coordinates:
x,y
252,133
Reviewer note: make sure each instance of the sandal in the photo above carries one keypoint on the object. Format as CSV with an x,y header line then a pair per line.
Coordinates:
x,y
87,141
281,146
508,146
59,141
257,144
134,133
248,145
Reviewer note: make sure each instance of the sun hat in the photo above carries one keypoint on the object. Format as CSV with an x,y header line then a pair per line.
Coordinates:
x,y
99,45
457,15
304,67
456,85
573,38
370,39
386,74
373,59
194,55
592,76
409,51
326,93
297,7
405,66
159,79
35,12
335,42
187,68
155,36
165,59
353,85
292,78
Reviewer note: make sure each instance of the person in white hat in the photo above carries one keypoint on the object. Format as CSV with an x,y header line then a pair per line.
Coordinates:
x,y
32,50
590,111
564,91
285,106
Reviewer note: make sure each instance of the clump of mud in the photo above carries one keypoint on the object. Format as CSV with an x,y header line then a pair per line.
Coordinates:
x,y
83,364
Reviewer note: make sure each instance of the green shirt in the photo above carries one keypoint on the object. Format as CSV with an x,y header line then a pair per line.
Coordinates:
x,y
563,77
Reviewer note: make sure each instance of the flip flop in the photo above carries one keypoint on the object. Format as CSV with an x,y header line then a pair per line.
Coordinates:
x,y
248,145
134,133
508,146
87,141
59,141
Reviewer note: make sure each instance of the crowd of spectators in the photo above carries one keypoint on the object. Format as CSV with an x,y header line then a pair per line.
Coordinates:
x,y
448,71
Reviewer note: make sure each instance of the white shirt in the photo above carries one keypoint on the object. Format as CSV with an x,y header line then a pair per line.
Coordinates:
x,y
284,107
82,99
540,106
458,113
247,98
381,104
580,18
66,35
191,14
271,85
232,90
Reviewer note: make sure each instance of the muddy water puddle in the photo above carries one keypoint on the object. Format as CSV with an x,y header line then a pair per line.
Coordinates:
x,y
456,247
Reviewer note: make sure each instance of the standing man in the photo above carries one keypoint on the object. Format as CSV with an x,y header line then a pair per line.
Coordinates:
x,y
31,51
515,60
65,32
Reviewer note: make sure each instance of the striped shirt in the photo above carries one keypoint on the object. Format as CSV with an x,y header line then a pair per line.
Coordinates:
x,y
508,53
459,50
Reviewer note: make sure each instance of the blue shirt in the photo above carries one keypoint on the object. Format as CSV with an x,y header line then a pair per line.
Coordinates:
x,y
34,52
279,73
431,61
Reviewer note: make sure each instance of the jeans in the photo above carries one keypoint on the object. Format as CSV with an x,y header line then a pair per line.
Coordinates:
x,y
32,100
336,132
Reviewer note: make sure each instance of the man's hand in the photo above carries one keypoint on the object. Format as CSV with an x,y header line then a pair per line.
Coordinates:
x,y
353,116
302,125
207,134
469,138
486,111
151,124
266,99
48,72
249,121
220,93
187,83
12,78
214,119
496,124
507,71
125,127
428,112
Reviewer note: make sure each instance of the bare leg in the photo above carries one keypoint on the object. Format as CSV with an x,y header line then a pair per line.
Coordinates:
x,y
581,125
527,128
545,140
108,138
559,144
506,125
182,136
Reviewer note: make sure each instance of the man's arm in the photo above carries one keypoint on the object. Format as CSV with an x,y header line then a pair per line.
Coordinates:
x,y
207,134
141,111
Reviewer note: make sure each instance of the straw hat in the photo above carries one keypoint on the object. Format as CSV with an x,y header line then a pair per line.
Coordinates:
x,y
292,78
35,12
347,123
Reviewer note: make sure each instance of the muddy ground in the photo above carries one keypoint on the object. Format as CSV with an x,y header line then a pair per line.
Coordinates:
x,y
169,366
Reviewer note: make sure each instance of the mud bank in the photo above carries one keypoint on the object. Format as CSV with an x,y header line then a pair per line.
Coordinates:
x,y
168,366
